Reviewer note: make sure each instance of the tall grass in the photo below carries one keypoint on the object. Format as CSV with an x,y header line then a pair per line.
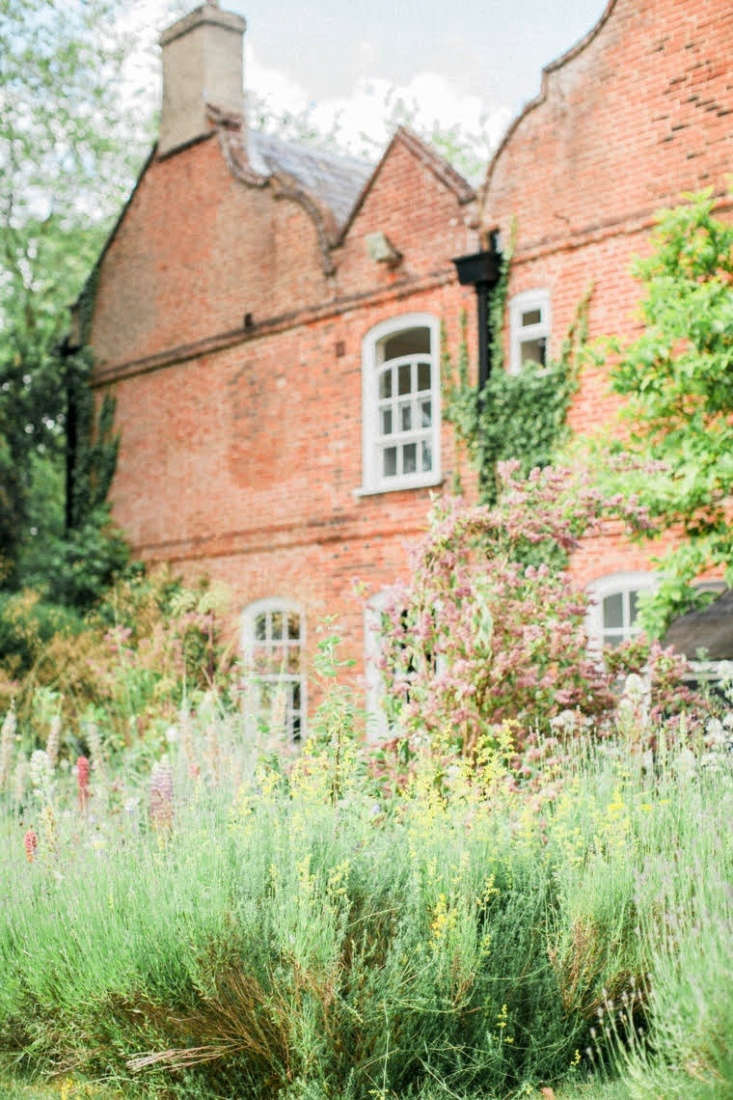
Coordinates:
x,y
297,935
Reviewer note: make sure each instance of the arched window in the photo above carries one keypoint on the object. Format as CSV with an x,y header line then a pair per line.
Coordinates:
x,y
401,404
613,612
273,645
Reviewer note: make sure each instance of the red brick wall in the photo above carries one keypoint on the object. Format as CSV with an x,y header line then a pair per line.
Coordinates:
x,y
639,113
242,459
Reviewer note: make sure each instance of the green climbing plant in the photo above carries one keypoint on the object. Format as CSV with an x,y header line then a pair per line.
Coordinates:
x,y
519,416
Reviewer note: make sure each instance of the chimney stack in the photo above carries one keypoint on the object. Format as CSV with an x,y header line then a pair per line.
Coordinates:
x,y
202,63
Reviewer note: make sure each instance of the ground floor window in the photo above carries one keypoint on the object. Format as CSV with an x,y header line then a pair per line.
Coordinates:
x,y
614,609
273,640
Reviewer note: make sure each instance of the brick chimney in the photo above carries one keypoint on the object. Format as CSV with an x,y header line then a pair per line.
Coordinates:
x,y
202,63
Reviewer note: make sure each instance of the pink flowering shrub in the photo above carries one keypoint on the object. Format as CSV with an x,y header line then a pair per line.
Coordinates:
x,y
491,628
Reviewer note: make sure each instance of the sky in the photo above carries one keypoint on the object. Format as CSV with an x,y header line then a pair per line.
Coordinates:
x,y
474,64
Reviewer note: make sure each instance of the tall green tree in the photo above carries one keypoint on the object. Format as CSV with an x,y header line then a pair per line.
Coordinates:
x,y
67,148
678,379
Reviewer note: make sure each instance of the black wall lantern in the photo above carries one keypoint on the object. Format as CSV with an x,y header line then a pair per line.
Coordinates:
x,y
482,270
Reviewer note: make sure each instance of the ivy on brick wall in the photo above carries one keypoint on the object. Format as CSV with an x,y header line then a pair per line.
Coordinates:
x,y
519,416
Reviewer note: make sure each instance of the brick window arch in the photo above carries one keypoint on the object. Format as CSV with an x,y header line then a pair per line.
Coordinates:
x,y
401,403
273,648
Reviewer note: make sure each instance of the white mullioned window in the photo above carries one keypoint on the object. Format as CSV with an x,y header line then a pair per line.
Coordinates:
x,y
529,329
613,612
273,645
401,404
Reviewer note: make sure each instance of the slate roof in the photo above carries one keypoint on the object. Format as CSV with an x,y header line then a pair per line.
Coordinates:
x,y
710,629
336,180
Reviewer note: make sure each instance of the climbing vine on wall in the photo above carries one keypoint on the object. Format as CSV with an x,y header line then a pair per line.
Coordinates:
x,y
519,416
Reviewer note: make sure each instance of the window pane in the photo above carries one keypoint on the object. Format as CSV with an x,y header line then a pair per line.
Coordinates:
x,y
265,696
533,351
532,317
405,418
389,461
295,696
385,384
613,612
293,665
633,610
413,341
277,625
261,660
427,456
423,376
386,421
409,458
293,625
261,628
426,414
405,381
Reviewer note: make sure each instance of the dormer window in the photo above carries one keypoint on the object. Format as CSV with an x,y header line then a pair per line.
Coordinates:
x,y
401,404
529,327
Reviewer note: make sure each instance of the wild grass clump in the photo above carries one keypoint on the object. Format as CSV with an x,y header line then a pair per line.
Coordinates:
x,y
229,925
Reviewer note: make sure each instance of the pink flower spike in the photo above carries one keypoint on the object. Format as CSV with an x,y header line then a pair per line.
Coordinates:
x,y
82,780
30,841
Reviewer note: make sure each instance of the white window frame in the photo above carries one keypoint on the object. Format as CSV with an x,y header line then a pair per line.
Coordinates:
x,y
248,643
373,479
522,303
377,724
611,585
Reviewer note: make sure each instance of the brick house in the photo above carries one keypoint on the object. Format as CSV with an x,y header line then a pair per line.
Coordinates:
x,y
268,316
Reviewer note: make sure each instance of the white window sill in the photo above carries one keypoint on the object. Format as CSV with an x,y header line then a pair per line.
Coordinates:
x,y
399,486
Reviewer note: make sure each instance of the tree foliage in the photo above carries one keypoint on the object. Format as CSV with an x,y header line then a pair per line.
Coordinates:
x,y
678,378
65,153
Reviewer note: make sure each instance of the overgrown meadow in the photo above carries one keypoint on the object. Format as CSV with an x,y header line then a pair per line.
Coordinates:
x,y
527,888
343,924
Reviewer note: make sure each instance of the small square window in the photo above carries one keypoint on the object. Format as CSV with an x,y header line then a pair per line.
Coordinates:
x,y
529,329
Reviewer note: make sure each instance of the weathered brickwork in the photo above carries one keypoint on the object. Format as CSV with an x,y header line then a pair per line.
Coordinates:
x,y
232,306
245,461
635,115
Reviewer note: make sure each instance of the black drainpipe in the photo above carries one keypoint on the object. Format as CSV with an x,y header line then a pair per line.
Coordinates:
x,y
482,270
